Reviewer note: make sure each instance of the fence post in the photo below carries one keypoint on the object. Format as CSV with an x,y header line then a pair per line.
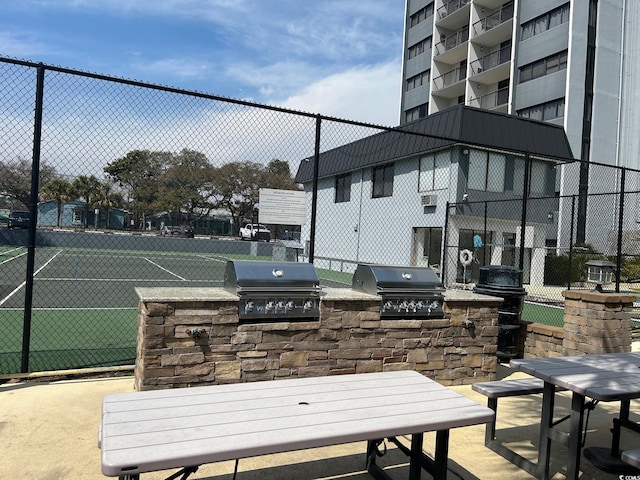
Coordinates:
x,y
33,220
623,177
445,245
314,195
525,196
573,213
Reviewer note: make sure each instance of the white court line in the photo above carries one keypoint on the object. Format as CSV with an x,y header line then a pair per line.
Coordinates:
x,y
162,268
17,289
211,259
12,258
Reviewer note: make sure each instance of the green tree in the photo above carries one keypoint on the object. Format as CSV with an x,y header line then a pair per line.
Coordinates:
x,y
86,188
278,176
187,185
106,199
139,173
236,188
59,190
15,179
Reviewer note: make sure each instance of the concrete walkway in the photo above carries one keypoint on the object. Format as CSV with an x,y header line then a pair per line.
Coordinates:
x,y
49,431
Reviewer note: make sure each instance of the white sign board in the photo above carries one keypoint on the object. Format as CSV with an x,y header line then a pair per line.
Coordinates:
x,y
282,207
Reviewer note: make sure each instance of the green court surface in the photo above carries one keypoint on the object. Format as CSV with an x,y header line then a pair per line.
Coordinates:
x,y
84,309
546,314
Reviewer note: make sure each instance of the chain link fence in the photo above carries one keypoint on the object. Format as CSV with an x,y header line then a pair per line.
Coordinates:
x,y
127,184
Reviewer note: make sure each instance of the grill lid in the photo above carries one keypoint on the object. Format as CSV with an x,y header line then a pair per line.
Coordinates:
x,y
384,279
249,276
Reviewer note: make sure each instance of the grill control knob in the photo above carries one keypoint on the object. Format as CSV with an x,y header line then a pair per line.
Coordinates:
x,y
412,306
248,307
420,305
308,305
387,306
280,305
271,306
404,306
290,305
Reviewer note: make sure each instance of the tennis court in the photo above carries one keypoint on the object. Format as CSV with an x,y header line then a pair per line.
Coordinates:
x,y
84,302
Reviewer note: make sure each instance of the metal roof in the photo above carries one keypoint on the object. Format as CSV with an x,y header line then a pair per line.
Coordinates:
x,y
458,125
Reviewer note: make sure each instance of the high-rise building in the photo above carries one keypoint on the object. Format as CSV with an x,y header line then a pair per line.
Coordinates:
x,y
572,63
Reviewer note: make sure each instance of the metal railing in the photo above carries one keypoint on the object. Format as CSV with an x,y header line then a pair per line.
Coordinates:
x,y
452,41
492,100
491,60
450,78
450,7
493,20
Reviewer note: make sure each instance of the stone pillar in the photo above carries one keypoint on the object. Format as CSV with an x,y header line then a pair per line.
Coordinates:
x,y
597,322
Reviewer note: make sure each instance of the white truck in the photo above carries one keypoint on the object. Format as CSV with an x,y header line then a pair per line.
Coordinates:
x,y
255,231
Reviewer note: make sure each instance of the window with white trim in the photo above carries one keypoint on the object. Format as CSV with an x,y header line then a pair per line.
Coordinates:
x,y
486,171
434,172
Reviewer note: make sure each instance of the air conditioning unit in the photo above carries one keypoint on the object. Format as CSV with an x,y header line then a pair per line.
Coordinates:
x,y
429,200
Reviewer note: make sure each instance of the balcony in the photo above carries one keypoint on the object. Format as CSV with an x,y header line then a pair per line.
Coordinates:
x,y
493,20
496,100
451,7
447,50
450,78
490,61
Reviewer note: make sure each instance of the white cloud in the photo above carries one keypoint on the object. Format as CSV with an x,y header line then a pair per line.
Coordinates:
x,y
180,67
22,45
368,94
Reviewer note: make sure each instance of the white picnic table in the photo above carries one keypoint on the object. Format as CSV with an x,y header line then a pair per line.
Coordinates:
x,y
602,377
187,427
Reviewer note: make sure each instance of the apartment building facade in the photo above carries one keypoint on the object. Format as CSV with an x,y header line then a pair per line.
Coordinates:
x,y
570,63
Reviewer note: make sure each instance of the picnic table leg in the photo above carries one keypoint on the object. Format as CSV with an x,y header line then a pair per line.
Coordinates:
x,y
617,424
546,424
441,455
575,436
372,467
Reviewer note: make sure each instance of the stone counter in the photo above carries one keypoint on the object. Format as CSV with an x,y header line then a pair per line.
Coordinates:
x,y
192,336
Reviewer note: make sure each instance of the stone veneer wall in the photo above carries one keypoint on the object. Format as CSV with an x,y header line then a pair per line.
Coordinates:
x,y
348,338
597,322
542,341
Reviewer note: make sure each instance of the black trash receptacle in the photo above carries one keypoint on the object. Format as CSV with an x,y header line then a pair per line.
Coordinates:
x,y
506,282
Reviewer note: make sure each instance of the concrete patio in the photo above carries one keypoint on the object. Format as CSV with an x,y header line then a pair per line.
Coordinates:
x,y
49,430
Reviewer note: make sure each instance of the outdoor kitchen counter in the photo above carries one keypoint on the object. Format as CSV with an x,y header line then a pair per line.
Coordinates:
x,y
200,294
190,336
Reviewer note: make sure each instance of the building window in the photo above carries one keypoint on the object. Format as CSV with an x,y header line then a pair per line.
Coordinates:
x,y
420,47
486,171
544,111
542,178
545,66
540,24
343,188
421,15
434,172
77,216
382,181
415,113
418,80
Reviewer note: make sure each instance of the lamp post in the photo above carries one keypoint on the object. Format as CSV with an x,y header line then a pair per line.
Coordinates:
x,y
599,272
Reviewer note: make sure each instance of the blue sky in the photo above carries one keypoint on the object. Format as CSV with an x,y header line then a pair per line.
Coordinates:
x,y
336,57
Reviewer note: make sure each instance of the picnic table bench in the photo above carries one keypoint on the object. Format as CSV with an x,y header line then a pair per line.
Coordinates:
x,y
184,428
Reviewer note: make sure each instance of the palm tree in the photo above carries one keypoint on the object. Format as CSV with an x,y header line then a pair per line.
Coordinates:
x,y
59,190
106,199
86,188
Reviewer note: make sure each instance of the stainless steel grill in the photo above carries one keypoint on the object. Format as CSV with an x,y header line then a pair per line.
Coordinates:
x,y
407,292
273,290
